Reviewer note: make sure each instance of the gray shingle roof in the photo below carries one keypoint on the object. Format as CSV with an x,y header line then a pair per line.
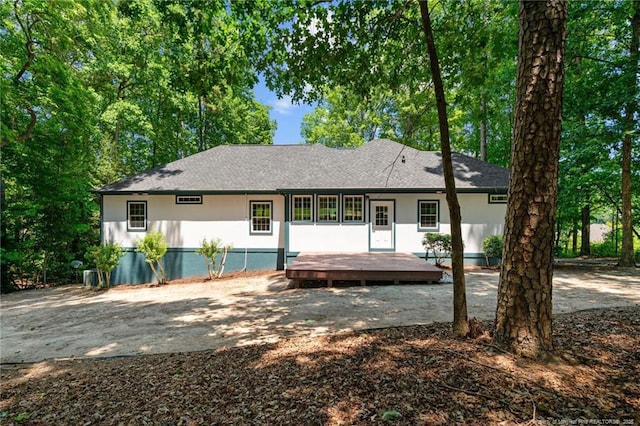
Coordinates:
x,y
377,165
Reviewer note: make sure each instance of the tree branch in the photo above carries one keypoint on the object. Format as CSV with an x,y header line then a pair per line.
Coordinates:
x,y
26,29
29,132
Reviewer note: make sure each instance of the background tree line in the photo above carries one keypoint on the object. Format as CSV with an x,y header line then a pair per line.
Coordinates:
x,y
96,90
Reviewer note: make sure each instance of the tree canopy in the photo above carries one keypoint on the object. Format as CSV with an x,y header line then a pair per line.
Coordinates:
x,y
93,91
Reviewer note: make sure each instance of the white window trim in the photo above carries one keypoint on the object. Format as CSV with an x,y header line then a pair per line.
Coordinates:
x,y
252,217
188,199
437,215
136,228
497,198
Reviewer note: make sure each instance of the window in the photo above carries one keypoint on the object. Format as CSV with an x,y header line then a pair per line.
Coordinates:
x,y
136,215
327,208
497,198
427,214
260,217
188,199
302,208
382,216
352,208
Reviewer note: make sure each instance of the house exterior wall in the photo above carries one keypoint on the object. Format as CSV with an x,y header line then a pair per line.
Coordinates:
x,y
185,226
340,237
480,219
228,217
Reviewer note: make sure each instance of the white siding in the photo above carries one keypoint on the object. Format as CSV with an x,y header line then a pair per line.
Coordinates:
x,y
227,217
479,220
329,237
185,225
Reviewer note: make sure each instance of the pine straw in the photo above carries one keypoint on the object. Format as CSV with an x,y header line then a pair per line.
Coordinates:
x,y
407,375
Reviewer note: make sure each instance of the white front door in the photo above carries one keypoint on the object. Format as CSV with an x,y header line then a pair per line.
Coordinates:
x,y
382,218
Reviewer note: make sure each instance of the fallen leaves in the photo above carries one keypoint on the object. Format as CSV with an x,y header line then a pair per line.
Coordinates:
x,y
406,375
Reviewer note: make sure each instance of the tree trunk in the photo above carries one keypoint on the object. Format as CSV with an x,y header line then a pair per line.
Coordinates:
x,y
483,129
523,313
201,144
460,324
155,273
627,257
585,247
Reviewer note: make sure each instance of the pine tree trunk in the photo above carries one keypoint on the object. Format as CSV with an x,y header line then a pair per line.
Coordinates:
x,y
627,257
523,313
460,324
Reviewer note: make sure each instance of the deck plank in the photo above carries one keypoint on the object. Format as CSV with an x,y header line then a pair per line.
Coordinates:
x,y
396,267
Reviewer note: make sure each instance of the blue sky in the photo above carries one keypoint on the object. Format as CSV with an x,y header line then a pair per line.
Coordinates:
x,y
284,112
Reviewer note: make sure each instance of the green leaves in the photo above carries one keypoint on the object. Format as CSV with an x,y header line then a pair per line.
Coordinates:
x,y
438,244
93,91
389,415
492,246
21,417
106,257
210,250
154,246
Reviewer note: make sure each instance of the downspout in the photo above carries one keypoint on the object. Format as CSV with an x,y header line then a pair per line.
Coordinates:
x,y
246,217
101,203
286,229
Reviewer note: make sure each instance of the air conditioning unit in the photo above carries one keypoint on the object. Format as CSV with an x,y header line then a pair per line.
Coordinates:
x,y
90,277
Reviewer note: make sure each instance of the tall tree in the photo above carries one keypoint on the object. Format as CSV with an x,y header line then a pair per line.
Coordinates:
x,y
631,110
95,90
175,80
405,114
460,324
48,136
481,36
523,314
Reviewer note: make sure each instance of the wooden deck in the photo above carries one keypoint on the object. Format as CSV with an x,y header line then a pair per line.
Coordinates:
x,y
361,267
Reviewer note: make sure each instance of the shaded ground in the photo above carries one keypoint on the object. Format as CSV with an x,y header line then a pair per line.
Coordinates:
x,y
416,375
77,322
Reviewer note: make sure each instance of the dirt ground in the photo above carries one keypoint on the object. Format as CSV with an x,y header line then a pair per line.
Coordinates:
x,y
76,322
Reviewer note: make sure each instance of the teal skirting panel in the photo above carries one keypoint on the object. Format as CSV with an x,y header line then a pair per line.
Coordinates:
x,y
185,263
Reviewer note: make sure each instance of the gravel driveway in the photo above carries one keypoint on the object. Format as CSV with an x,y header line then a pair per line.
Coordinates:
x,y
77,322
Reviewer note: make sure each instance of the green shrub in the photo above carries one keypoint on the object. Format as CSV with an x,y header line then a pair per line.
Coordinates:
x,y
106,258
210,250
154,247
610,246
492,247
438,244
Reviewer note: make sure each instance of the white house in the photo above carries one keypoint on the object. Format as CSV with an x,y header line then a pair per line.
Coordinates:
x,y
272,202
